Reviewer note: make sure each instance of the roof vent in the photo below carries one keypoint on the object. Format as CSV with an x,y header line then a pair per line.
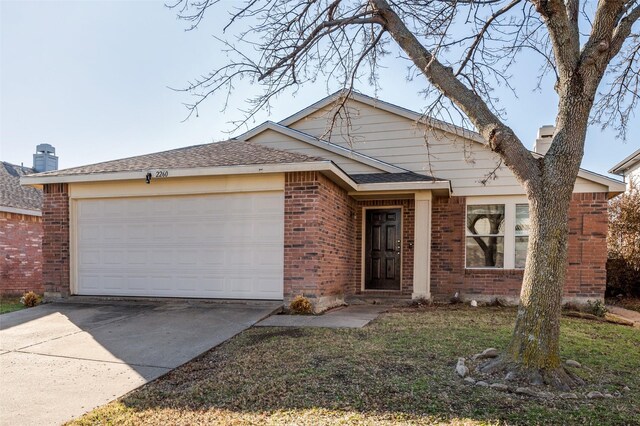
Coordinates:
x,y
44,159
543,141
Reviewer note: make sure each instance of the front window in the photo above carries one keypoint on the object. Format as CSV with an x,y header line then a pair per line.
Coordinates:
x,y
497,234
485,236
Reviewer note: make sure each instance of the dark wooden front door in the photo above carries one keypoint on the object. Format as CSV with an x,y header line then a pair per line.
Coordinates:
x,y
382,249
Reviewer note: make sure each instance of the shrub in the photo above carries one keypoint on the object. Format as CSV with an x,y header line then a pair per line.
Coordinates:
x,y
30,299
301,305
596,307
622,278
623,243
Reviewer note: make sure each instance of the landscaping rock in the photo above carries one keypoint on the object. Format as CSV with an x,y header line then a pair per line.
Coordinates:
x,y
474,304
461,369
546,395
526,391
568,395
487,353
572,363
536,379
595,395
499,387
608,395
482,384
510,376
470,380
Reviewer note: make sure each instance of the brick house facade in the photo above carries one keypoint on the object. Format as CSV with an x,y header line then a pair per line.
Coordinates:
x,y
323,246
327,219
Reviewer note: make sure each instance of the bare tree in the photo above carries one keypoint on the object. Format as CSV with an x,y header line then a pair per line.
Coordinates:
x,y
464,49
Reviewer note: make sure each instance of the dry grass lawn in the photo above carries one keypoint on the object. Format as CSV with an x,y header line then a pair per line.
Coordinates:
x,y
397,370
10,304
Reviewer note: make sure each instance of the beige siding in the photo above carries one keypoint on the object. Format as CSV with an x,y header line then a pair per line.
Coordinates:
x,y
400,141
277,140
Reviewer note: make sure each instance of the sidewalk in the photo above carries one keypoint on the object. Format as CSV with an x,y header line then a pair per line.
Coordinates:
x,y
626,314
353,316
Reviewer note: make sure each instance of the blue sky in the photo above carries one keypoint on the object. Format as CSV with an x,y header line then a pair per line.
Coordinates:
x,y
92,77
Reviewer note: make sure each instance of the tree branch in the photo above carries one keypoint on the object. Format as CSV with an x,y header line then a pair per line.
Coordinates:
x,y
563,33
500,138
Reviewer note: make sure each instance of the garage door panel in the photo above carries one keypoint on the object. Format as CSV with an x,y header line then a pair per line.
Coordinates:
x,y
219,246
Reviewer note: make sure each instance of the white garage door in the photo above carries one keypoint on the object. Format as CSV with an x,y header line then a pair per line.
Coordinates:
x,y
209,246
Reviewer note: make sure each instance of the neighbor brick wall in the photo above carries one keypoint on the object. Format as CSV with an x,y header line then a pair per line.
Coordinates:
x,y
319,238
586,273
21,248
407,224
55,242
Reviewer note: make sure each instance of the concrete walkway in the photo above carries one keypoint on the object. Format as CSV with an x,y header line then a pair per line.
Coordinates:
x,y
61,360
625,313
353,316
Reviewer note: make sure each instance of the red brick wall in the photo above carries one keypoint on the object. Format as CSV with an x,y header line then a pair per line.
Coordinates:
x,y
21,248
407,225
588,226
319,237
586,274
55,242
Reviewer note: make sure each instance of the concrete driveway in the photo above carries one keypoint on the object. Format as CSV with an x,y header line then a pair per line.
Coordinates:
x,y
59,361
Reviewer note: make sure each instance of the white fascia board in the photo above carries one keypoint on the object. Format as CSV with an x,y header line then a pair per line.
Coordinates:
x,y
320,166
26,212
200,171
626,164
322,144
385,106
402,186
612,184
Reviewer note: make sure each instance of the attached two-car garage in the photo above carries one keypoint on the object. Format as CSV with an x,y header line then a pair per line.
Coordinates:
x,y
214,245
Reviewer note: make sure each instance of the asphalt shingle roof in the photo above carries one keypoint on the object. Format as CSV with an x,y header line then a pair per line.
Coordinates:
x,y
218,154
391,178
14,195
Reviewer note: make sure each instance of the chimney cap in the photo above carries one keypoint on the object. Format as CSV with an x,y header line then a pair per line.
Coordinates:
x,y
546,131
46,148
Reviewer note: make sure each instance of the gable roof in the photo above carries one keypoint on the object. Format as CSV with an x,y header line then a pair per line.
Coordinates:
x,y
217,154
323,144
384,106
630,161
613,185
15,198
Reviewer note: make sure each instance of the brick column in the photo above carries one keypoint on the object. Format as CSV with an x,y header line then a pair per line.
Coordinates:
x,y
55,241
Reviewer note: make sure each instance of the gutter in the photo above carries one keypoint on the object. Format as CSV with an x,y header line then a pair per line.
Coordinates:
x,y
326,166
26,212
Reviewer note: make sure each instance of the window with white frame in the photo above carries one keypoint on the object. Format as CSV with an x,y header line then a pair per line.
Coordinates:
x,y
497,233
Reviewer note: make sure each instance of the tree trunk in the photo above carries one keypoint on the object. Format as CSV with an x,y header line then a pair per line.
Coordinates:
x,y
535,341
535,345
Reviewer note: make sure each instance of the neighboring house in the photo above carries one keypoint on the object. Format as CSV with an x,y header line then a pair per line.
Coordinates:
x,y
383,206
629,168
21,225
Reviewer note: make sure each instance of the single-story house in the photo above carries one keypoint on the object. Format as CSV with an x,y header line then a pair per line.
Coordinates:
x,y
379,204
629,168
21,225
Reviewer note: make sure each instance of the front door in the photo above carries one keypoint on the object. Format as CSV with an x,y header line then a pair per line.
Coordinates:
x,y
382,249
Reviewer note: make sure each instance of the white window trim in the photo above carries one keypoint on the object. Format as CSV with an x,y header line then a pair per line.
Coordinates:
x,y
509,202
